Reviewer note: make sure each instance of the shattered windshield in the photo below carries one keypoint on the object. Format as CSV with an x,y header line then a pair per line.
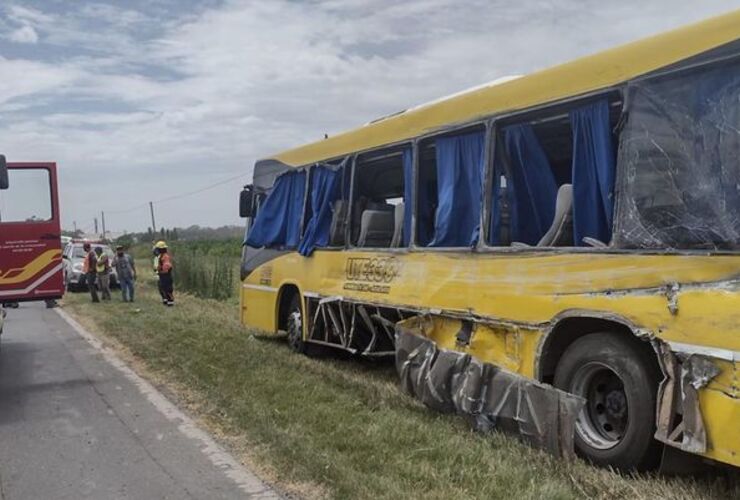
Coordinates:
x,y
680,155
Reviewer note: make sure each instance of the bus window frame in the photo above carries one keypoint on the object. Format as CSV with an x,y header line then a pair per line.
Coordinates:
x,y
615,93
53,194
307,193
391,148
620,179
452,130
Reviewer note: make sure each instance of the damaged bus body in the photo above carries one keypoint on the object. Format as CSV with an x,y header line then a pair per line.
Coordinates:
x,y
555,255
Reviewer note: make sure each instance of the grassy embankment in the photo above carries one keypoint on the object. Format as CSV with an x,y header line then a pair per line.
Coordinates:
x,y
333,427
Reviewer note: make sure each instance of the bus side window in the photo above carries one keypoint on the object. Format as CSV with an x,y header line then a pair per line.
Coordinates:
x,y
426,194
377,215
449,186
554,177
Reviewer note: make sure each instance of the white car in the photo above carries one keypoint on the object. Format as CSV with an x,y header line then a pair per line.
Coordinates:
x,y
73,256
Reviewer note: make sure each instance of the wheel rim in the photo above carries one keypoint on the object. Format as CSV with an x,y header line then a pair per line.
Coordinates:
x,y
603,421
295,330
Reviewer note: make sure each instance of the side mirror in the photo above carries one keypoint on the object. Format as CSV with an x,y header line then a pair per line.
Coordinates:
x,y
4,184
246,202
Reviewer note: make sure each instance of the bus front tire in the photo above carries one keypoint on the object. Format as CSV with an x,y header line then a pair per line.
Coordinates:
x,y
294,325
619,382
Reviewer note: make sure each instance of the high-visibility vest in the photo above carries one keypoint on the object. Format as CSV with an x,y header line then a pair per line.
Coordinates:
x,y
102,265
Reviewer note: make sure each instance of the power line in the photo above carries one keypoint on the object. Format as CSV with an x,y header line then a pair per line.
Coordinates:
x,y
211,186
127,210
175,197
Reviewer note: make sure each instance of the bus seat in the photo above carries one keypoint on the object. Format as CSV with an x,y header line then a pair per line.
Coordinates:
x,y
561,229
397,225
338,223
376,228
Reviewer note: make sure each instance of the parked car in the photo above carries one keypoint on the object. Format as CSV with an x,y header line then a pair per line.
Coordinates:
x,y
74,257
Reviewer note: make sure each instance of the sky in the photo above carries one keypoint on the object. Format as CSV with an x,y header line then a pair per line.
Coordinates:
x,y
142,101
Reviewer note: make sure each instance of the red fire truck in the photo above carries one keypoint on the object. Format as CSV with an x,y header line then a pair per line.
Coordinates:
x,y
30,244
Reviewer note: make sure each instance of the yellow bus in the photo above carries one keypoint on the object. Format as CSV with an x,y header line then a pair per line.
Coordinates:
x,y
554,255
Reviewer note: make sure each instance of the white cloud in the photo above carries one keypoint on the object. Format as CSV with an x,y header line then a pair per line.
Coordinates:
x,y
165,103
26,34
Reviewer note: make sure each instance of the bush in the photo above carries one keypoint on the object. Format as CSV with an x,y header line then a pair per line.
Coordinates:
x,y
207,269
204,275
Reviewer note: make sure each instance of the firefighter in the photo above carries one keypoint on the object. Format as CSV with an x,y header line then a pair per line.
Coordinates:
x,y
88,267
164,272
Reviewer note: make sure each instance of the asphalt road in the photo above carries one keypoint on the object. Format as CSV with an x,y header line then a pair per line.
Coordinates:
x,y
76,422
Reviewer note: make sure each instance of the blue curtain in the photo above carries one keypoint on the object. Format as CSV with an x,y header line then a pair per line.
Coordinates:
x,y
326,188
534,189
459,177
593,173
408,186
278,222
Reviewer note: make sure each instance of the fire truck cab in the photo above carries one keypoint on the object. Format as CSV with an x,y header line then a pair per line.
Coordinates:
x,y
30,231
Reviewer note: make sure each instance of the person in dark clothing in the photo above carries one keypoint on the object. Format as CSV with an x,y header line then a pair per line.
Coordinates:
x,y
91,274
164,272
126,270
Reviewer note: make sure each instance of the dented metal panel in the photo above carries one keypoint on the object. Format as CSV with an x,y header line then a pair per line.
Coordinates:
x,y
516,300
679,419
489,397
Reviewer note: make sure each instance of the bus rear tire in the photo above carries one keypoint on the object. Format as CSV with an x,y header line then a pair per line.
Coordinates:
x,y
294,325
619,382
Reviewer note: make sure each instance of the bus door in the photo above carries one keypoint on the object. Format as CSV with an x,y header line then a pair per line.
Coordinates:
x,y
30,233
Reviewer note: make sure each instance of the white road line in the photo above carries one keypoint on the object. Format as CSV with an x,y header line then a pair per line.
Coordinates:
x,y
220,458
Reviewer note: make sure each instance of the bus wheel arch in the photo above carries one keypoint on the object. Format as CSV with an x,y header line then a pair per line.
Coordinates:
x,y
290,316
618,373
569,327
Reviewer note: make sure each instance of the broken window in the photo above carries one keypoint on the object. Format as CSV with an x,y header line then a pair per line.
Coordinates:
x,y
553,177
278,222
324,208
679,154
449,189
379,218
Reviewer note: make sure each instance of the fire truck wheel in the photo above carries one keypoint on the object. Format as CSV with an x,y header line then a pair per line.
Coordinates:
x,y
619,381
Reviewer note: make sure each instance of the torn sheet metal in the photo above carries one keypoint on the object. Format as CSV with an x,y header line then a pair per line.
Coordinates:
x,y
355,327
491,398
680,422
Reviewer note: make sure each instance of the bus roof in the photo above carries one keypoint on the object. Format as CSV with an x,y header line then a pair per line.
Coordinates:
x,y
587,74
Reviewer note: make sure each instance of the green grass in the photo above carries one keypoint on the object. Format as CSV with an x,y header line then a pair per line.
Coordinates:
x,y
341,427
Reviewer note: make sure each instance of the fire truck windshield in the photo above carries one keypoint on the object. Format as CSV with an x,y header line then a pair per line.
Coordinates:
x,y
29,196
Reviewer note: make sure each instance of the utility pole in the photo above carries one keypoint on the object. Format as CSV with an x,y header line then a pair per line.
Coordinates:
x,y
102,218
154,224
96,225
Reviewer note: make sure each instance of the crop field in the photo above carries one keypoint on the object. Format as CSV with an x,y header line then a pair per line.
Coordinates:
x,y
337,427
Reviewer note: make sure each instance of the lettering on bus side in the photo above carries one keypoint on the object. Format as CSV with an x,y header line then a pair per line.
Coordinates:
x,y
266,275
371,274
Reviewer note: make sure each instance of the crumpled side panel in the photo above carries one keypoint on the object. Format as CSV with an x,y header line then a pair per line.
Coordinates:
x,y
491,398
680,422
